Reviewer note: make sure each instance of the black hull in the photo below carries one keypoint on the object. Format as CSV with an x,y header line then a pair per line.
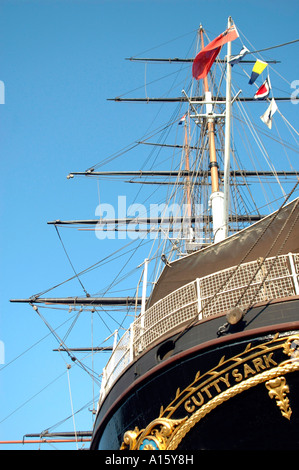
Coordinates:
x,y
201,390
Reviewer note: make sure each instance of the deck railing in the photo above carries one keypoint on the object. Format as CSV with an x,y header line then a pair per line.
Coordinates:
x,y
215,294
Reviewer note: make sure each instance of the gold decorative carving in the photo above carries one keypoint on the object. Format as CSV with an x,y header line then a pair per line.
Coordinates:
x,y
245,385
230,377
130,439
154,437
291,347
278,389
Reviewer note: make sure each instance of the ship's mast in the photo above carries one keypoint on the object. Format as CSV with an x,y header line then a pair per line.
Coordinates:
x,y
216,196
211,128
227,136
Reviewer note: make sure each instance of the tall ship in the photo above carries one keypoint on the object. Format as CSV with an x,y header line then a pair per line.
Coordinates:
x,y
210,357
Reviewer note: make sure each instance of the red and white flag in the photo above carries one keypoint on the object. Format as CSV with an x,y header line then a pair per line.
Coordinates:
x,y
183,119
263,91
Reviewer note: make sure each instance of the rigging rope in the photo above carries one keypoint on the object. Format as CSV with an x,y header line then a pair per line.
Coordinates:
x,y
76,275
50,428
71,399
260,144
61,343
273,47
93,266
266,256
32,397
194,320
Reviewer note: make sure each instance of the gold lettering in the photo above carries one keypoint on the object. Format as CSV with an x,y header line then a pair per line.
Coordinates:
x,y
237,375
269,359
189,408
248,370
206,389
218,389
225,380
195,401
258,364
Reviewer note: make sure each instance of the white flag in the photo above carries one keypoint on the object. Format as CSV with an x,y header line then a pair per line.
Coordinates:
x,y
267,116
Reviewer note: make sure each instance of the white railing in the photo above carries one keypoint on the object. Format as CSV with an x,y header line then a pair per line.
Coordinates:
x,y
215,294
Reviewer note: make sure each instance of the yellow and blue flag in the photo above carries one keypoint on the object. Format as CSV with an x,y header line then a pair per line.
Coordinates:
x,y
258,68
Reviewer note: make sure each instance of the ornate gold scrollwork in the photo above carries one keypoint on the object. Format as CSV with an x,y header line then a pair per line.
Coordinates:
x,y
291,347
278,389
230,377
154,437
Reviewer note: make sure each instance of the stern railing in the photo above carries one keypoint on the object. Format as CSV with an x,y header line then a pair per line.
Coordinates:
x,y
257,281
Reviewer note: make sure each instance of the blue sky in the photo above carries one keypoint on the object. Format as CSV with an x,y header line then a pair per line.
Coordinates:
x,y
60,60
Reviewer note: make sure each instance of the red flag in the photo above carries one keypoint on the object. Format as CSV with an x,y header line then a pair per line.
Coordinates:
x,y
206,57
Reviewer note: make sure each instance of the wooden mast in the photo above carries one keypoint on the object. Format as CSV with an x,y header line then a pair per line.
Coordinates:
x,y
216,198
211,130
